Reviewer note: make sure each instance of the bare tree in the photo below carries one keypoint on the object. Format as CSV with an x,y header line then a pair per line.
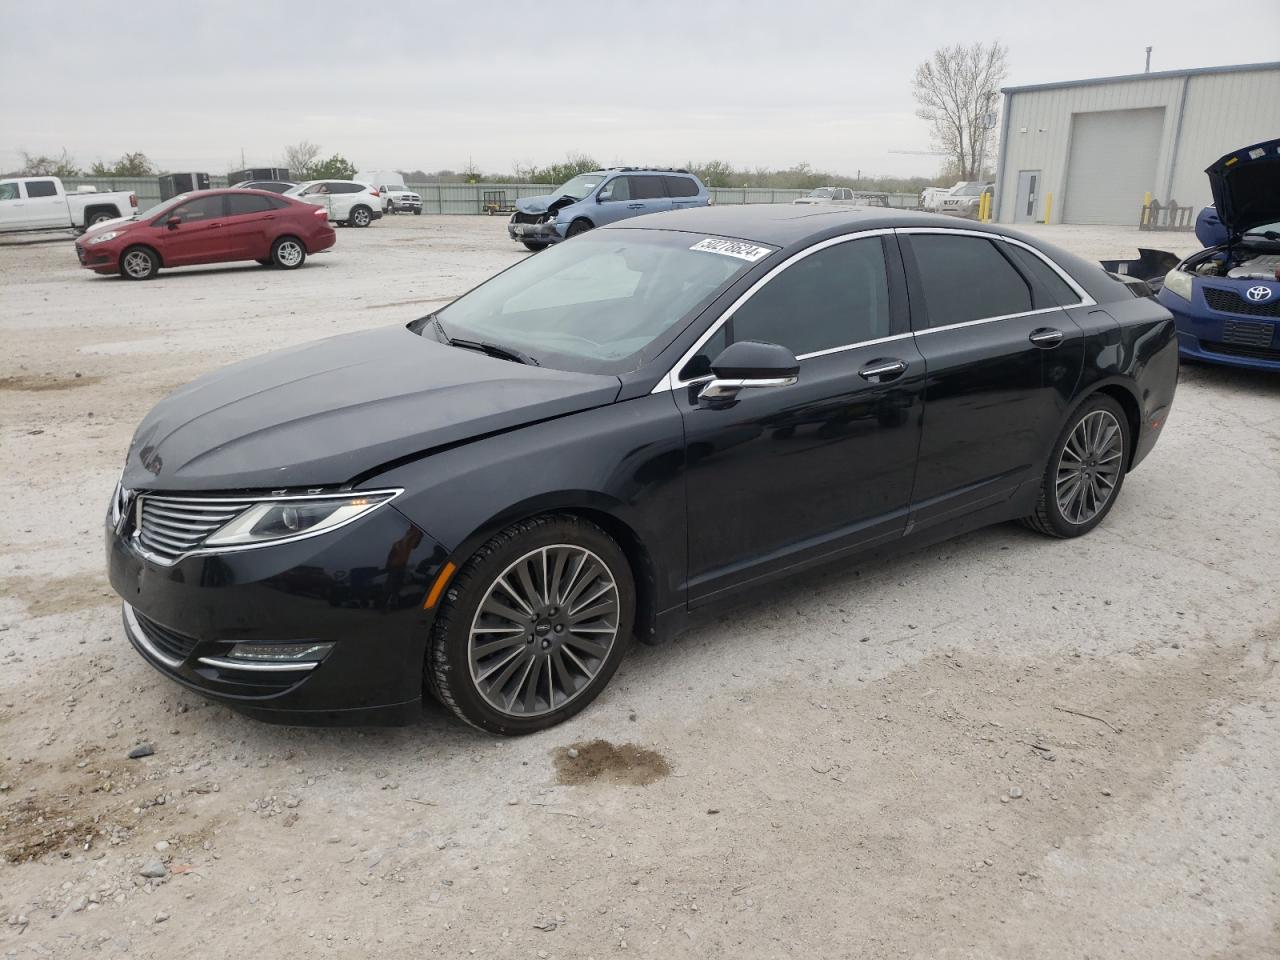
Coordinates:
x,y
301,157
43,166
956,90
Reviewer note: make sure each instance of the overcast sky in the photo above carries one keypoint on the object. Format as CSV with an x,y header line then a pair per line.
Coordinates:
x,y
428,85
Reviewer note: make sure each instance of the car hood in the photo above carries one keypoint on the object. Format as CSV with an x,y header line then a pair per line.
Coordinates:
x,y
115,223
552,201
1246,187
324,413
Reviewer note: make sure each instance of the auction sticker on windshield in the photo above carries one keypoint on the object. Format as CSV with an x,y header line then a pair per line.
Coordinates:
x,y
733,248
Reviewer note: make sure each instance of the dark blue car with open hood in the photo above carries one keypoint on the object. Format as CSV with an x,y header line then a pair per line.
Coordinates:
x,y
1225,299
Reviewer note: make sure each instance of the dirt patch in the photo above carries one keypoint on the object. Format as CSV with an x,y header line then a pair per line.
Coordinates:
x,y
599,761
33,827
45,596
33,384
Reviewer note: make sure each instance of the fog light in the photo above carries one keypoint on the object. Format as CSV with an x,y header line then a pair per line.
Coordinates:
x,y
281,652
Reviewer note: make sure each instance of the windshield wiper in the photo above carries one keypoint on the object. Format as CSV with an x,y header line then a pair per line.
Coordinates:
x,y
492,349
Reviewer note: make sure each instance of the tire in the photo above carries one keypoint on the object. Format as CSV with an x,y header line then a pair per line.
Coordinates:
x,y
1075,499
361,216
100,216
139,263
577,227
288,253
584,566
417,211
535,245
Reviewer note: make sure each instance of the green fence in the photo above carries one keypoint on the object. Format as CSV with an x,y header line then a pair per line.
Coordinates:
x,y
465,198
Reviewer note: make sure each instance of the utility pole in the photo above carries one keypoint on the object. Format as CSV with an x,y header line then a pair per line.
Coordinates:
x,y
1148,70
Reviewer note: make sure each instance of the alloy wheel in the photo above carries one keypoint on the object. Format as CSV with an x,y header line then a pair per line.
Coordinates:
x,y
137,263
1089,467
543,631
361,218
289,253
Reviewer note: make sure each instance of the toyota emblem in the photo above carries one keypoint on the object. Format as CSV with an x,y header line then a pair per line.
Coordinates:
x,y
1258,294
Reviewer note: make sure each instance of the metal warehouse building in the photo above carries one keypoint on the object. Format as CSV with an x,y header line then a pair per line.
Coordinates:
x,y
1089,151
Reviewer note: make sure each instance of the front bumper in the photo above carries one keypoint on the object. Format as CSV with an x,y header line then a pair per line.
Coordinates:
x,y
1233,340
99,257
396,206
534,232
361,588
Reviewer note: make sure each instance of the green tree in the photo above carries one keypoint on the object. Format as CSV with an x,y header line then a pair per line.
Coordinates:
x,y
42,166
714,173
336,167
558,173
129,165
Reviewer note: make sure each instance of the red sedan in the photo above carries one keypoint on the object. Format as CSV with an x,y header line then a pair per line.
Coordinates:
x,y
208,226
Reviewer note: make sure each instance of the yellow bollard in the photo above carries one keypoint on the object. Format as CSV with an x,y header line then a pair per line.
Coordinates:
x,y
1048,208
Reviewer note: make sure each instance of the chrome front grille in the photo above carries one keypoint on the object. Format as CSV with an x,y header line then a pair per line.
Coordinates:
x,y
168,527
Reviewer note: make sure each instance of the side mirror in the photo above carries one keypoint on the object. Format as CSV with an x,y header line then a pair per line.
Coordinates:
x,y
603,195
173,223
750,364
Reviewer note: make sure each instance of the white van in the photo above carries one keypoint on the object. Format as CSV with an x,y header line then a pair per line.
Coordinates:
x,y
396,197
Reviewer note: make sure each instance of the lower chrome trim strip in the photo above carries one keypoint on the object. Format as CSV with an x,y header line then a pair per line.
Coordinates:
x,y
139,636
267,667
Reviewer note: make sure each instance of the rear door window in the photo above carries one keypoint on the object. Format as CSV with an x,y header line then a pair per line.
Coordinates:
x,y
41,188
240,206
681,187
966,278
647,188
1052,290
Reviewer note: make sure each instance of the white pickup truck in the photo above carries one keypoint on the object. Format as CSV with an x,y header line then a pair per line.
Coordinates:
x,y
41,203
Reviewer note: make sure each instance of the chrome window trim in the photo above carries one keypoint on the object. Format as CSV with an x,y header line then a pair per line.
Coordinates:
x,y
250,501
671,382
975,323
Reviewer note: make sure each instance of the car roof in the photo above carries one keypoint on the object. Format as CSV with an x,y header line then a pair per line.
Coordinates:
x,y
671,171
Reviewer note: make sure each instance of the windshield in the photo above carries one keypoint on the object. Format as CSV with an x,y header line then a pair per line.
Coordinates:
x,y
297,189
580,186
970,190
1264,230
595,305
822,193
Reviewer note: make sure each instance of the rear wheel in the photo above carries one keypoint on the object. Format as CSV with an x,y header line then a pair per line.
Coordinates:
x,y
361,216
287,253
577,227
139,263
533,626
1085,471
100,216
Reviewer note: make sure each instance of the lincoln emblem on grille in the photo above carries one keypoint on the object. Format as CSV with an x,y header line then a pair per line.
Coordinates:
x,y
1258,294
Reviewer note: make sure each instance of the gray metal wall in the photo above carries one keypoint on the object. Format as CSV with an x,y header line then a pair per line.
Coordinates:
x,y
464,198
1205,115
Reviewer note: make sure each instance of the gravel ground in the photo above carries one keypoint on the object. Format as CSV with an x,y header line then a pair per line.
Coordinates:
x,y
1000,746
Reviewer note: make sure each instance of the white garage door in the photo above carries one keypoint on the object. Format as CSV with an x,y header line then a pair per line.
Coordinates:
x,y
1112,164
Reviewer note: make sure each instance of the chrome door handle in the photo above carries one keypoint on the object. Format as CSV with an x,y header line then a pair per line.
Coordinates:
x,y
635,206
881,370
1045,337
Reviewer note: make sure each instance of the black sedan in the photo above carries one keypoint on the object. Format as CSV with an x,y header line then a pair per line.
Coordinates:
x,y
611,437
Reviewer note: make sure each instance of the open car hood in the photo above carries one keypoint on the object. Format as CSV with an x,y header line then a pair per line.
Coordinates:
x,y
1246,187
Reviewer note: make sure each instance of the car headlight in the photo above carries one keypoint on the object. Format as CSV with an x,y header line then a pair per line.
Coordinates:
x,y
104,237
1179,282
292,517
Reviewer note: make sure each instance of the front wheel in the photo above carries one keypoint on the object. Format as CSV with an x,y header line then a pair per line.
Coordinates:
x,y
288,253
361,217
577,227
533,626
417,211
1085,471
139,263
535,245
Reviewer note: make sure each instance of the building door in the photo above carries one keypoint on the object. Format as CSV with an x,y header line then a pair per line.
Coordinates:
x,y
1112,163
1028,194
